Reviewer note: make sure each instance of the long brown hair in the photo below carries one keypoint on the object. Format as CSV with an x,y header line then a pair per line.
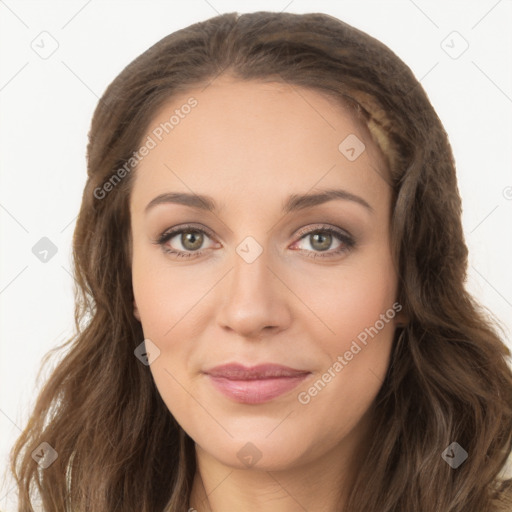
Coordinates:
x,y
118,446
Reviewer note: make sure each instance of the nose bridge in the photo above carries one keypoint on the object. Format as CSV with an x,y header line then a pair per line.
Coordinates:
x,y
252,300
250,261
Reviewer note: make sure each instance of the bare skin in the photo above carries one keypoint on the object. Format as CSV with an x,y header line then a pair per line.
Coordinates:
x,y
249,145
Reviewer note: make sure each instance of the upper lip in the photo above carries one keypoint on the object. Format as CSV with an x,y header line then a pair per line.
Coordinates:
x,y
236,371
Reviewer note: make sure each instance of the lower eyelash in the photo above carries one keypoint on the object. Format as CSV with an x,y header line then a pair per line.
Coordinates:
x,y
348,242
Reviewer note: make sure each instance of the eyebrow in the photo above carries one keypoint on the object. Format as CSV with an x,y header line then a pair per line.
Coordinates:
x,y
294,202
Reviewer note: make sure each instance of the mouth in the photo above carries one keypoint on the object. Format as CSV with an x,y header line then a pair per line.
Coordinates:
x,y
257,384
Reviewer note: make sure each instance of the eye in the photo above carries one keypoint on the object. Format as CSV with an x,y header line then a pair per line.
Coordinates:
x,y
190,240
321,238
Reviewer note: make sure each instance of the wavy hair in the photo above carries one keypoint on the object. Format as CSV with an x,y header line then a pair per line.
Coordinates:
x,y
119,447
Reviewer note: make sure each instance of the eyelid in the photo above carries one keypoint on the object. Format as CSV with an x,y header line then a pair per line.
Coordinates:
x,y
176,230
300,233
343,236
323,227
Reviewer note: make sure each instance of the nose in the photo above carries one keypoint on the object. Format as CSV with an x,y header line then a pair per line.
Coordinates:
x,y
253,299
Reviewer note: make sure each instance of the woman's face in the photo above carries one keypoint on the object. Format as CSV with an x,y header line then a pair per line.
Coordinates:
x,y
256,278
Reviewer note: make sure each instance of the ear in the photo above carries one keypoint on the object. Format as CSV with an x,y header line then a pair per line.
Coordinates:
x,y
136,310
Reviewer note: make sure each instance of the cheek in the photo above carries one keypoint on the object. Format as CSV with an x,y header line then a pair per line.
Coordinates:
x,y
165,300
348,301
171,303
165,295
355,334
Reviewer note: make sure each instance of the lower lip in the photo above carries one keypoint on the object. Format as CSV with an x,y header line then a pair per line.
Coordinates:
x,y
256,391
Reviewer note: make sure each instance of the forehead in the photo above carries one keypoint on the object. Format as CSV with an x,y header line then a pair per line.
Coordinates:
x,y
258,139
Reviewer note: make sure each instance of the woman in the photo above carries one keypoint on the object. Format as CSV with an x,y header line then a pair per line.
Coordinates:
x,y
271,309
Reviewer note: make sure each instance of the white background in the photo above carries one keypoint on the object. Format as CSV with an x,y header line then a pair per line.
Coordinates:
x,y
47,104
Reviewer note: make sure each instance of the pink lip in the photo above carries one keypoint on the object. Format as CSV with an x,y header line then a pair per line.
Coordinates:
x,y
256,384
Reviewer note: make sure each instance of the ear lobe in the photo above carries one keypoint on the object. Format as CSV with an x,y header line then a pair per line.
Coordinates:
x,y
136,310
